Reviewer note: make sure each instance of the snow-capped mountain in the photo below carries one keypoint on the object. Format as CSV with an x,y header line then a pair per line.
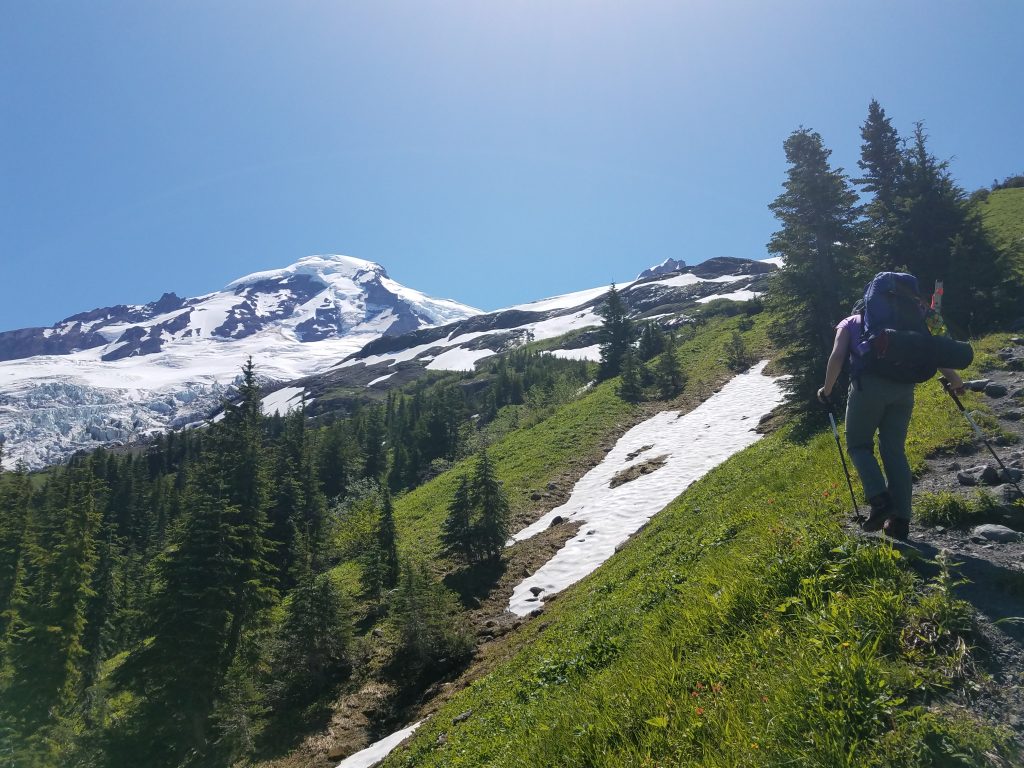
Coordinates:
x,y
119,373
459,346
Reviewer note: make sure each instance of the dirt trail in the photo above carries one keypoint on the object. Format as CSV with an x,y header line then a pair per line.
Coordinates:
x,y
992,572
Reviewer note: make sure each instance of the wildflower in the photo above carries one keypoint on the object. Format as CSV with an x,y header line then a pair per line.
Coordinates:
x,y
716,687
764,699
694,694
700,711
753,745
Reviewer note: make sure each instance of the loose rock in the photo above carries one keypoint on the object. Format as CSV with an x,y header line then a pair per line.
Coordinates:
x,y
463,717
996,390
1000,533
966,478
977,385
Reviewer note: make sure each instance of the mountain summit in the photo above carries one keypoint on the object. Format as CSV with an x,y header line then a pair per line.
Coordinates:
x,y
118,373
316,298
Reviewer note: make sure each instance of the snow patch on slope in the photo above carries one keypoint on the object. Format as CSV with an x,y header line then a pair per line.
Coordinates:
x,y
695,443
377,751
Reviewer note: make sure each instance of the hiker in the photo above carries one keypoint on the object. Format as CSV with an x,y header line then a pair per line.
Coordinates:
x,y
885,365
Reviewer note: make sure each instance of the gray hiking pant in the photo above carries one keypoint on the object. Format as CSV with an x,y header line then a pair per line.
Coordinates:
x,y
883,406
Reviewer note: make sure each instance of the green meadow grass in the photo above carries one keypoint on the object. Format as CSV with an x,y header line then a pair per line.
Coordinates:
x,y
527,459
742,627
1003,214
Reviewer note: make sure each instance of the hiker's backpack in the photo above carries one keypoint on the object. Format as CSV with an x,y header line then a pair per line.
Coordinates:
x,y
895,342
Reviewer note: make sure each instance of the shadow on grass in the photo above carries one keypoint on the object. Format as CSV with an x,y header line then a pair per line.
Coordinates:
x,y
476,581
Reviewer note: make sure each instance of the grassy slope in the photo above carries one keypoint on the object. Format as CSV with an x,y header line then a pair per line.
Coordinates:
x,y
1003,214
742,627
529,458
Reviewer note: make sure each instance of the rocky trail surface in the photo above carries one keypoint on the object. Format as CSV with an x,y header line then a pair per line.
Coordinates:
x,y
978,536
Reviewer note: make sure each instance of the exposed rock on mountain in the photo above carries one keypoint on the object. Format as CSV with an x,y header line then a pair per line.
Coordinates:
x,y
119,373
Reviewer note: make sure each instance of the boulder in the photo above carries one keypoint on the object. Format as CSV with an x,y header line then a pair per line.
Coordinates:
x,y
1013,415
556,520
463,717
535,591
996,390
989,475
991,532
966,478
977,385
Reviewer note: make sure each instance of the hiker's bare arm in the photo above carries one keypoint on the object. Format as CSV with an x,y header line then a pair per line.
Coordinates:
x,y
835,362
954,379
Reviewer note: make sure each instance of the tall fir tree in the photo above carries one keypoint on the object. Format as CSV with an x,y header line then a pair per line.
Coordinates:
x,y
882,167
811,292
380,562
630,388
490,502
668,376
457,533
941,237
615,334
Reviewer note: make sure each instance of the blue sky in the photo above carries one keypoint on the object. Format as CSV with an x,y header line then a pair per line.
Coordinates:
x,y
488,152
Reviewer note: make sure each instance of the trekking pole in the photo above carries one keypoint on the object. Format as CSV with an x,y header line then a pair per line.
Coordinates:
x,y
835,432
977,431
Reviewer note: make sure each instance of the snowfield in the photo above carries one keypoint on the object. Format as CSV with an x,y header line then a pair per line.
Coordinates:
x,y
377,751
693,444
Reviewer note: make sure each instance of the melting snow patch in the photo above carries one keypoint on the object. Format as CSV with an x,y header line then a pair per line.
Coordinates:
x,y
695,443
282,401
743,295
458,359
583,353
379,379
377,751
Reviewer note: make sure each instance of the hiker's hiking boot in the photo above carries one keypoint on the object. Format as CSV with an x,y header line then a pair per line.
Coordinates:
x,y
897,528
881,508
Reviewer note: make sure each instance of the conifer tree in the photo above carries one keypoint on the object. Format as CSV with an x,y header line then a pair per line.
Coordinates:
x,y
668,376
45,655
882,164
810,293
630,388
615,334
310,651
457,534
652,341
380,568
427,620
737,358
375,452
491,524
942,237
216,584
15,496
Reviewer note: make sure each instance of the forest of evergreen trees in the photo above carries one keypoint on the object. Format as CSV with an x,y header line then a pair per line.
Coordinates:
x,y
175,605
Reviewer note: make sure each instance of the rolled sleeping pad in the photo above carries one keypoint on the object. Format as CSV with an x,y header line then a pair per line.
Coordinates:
x,y
924,349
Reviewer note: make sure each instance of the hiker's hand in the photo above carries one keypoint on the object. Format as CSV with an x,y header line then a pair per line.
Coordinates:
x,y
956,384
823,395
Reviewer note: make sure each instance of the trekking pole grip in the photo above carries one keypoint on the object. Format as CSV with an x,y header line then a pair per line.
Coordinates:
x,y
946,385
